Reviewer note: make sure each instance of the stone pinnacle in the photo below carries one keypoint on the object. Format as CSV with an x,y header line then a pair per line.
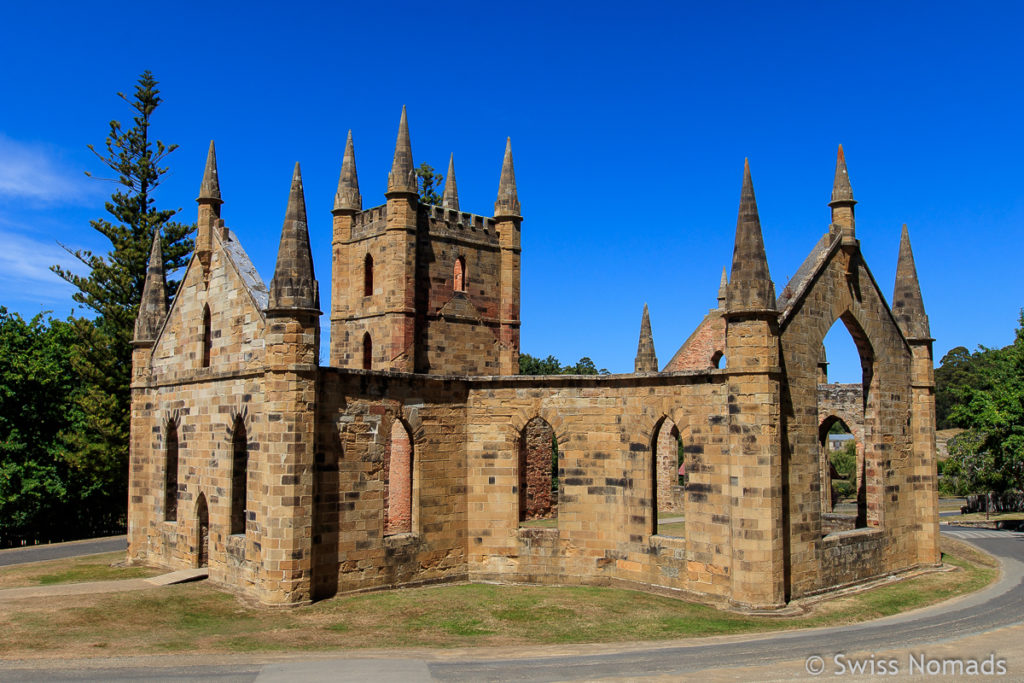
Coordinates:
x,y
347,197
507,203
294,284
450,200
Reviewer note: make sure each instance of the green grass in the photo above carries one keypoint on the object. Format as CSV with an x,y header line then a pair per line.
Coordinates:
x,y
196,617
548,523
102,567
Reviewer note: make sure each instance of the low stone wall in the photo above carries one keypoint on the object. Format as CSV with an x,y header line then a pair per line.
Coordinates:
x,y
1011,501
851,556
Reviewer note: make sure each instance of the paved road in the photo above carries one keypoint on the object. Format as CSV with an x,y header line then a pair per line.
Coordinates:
x,y
58,551
997,607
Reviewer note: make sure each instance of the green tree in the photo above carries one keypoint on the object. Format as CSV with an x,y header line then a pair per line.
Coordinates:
x,y
990,455
111,289
430,182
37,406
959,374
844,460
531,365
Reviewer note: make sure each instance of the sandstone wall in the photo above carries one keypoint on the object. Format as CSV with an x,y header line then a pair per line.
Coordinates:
x,y
204,403
842,288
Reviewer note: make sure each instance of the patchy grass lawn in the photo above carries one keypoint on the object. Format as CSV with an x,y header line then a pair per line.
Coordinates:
x,y
672,529
102,567
981,517
545,523
196,618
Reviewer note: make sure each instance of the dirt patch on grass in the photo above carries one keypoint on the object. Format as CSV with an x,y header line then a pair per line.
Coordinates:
x,y
197,618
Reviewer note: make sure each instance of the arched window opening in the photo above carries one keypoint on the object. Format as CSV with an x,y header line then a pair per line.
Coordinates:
x,y
718,360
202,532
843,364
368,276
538,474
668,479
367,352
840,483
239,477
850,491
398,509
460,274
171,473
207,337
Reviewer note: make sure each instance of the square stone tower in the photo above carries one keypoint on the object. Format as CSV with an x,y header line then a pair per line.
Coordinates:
x,y
423,288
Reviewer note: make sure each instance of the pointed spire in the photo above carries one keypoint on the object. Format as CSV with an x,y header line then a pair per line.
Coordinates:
x,y
210,188
507,203
153,308
402,178
294,284
347,197
750,284
722,287
841,190
843,222
645,361
450,200
907,304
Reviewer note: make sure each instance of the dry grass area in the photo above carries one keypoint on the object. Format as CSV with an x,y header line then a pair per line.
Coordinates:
x,y
543,523
196,618
102,567
982,517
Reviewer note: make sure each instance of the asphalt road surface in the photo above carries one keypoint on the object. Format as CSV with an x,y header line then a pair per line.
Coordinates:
x,y
58,551
1000,605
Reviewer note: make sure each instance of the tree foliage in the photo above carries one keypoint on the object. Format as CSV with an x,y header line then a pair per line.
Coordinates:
x,y
531,365
111,289
430,182
989,404
844,460
959,374
45,494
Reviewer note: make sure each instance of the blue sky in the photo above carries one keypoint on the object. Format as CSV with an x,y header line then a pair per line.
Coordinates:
x,y
629,125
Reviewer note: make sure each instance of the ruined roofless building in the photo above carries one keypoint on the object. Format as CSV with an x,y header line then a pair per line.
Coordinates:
x,y
418,456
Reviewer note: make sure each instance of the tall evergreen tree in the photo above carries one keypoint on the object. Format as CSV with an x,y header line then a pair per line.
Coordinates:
x,y
112,289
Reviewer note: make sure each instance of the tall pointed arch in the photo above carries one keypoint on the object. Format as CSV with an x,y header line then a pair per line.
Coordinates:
x,y
239,476
398,489
171,472
207,337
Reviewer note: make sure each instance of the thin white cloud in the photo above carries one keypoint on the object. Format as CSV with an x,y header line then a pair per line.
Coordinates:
x,y
25,268
33,172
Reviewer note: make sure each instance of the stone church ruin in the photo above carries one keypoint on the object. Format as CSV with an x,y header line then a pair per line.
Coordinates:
x,y
417,455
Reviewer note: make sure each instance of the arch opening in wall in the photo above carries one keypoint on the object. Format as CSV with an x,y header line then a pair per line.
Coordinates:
x,y
460,274
841,487
398,488
668,481
171,473
207,337
202,539
538,474
850,357
239,476
367,352
718,360
368,276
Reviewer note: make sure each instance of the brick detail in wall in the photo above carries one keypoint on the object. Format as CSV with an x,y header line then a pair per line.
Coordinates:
x,y
535,452
398,489
698,352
